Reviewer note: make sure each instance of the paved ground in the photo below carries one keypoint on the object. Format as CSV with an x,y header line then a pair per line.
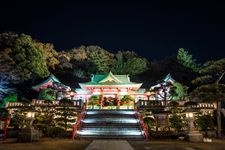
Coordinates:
x,y
68,144
109,145
177,145
45,144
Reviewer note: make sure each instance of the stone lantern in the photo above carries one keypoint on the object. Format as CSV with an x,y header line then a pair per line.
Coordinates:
x,y
193,135
29,134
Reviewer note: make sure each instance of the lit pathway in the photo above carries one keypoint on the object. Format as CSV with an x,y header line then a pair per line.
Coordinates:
x,y
109,145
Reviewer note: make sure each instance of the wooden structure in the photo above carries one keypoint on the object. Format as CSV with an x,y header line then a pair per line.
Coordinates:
x,y
110,89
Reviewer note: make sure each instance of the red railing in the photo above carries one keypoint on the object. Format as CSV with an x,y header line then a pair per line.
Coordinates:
x,y
143,126
4,124
78,122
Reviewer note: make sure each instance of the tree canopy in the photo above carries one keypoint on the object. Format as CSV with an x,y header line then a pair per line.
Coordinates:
x,y
126,62
187,60
210,86
29,59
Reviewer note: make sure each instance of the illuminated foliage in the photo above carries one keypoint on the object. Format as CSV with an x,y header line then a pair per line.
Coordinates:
x,y
47,94
8,74
79,54
150,122
177,122
187,60
94,100
65,115
101,58
64,60
127,99
18,119
49,54
28,58
177,91
127,62
9,98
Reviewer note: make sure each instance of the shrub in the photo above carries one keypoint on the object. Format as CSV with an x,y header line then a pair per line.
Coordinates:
x,y
176,122
55,132
205,122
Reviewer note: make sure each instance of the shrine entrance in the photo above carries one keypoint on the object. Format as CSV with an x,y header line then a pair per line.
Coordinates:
x,y
110,102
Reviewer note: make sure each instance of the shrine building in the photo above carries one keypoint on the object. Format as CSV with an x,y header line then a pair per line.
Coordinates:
x,y
109,91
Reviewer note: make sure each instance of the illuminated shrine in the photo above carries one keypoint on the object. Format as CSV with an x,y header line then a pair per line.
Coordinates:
x,y
51,82
109,91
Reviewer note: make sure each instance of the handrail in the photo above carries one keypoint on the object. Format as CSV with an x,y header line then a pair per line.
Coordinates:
x,y
5,120
143,126
78,122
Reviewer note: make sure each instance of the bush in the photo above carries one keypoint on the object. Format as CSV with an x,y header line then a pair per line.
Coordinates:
x,y
176,122
205,122
55,132
149,121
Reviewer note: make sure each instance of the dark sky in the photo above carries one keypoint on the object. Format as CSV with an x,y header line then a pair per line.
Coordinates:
x,y
153,28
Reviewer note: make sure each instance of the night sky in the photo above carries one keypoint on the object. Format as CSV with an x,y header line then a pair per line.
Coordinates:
x,y
152,28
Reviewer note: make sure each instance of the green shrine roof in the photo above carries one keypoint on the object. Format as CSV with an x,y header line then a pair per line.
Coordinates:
x,y
110,80
49,82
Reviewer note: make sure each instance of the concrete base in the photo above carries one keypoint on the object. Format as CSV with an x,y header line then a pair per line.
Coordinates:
x,y
28,135
194,136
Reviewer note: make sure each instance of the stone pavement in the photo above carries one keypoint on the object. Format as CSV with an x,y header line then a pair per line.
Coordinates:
x,y
109,145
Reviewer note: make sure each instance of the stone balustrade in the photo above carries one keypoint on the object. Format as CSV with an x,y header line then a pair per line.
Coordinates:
x,y
42,103
162,104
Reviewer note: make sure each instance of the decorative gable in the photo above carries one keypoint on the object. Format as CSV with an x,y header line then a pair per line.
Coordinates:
x,y
110,78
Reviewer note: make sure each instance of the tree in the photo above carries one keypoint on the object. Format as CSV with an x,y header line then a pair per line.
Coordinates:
x,y
187,60
7,40
205,122
177,91
49,54
12,97
28,58
5,86
79,54
8,73
118,64
176,122
47,94
127,62
64,60
101,58
18,119
7,67
136,66
210,87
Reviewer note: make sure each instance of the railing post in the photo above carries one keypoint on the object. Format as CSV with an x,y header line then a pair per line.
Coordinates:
x,y
142,124
78,122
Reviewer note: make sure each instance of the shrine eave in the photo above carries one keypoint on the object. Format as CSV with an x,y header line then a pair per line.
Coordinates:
x,y
111,85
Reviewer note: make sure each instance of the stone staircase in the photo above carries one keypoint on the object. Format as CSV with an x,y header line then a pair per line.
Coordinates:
x,y
110,124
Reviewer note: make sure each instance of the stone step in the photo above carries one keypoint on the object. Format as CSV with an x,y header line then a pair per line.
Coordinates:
x,y
109,129
130,137
109,133
110,124
109,115
124,112
110,120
